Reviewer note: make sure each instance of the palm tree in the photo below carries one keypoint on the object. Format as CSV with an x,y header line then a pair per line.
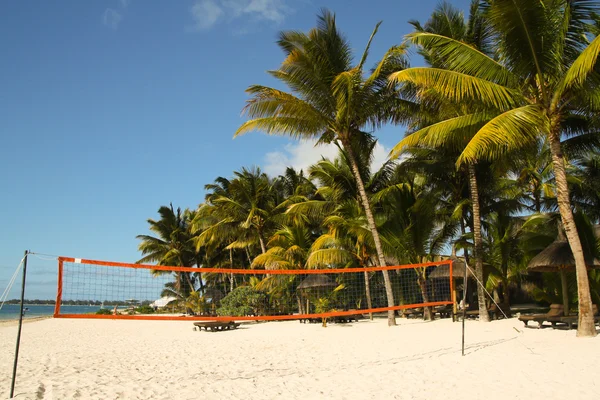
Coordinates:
x,y
585,184
446,21
330,100
238,212
173,246
540,81
288,248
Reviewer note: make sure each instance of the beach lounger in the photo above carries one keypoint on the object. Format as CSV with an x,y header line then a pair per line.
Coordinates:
x,y
552,316
572,320
443,311
413,312
214,326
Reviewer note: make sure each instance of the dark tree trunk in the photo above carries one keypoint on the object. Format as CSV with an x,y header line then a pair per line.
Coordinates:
x,y
478,245
232,279
262,242
427,314
368,294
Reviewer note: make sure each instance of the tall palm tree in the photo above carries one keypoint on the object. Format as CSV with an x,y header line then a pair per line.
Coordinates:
x,y
172,246
446,21
540,82
330,100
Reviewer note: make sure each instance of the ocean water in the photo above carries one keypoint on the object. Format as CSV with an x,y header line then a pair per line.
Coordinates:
x,y
11,311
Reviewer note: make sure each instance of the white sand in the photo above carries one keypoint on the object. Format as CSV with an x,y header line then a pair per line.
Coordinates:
x,y
98,359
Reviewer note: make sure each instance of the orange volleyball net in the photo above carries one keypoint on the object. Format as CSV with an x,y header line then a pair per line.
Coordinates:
x,y
113,290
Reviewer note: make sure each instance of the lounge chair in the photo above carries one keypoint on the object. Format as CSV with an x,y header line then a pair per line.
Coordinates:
x,y
444,311
556,311
413,312
214,326
572,320
347,318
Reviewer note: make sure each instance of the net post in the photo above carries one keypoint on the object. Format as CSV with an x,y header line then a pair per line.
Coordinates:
x,y
452,291
464,310
14,374
59,288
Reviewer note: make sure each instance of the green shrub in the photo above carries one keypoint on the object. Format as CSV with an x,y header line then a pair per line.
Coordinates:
x,y
104,311
145,310
243,300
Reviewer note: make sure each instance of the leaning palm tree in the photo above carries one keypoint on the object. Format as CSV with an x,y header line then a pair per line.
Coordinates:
x,y
330,100
542,81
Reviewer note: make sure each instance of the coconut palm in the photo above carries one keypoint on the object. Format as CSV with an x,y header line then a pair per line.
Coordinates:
x,y
172,246
585,184
239,211
288,248
330,100
540,82
446,21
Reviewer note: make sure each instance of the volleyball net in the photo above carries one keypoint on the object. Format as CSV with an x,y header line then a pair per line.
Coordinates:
x,y
113,290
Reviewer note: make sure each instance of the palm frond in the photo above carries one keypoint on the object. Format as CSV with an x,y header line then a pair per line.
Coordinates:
x,y
506,132
459,87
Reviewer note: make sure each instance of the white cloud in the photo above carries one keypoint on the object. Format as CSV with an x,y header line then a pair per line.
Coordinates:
x,y
302,154
206,13
111,18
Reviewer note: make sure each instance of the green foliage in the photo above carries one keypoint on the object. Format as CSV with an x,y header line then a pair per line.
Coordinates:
x,y
104,311
500,81
196,302
244,300
144,310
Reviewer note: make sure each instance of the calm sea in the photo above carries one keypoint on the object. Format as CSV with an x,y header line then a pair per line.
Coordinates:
x,y
11,311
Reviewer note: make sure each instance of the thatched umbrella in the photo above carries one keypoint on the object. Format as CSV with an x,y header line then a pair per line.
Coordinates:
x,y
558,257
458,269
316,281
319,282
458,272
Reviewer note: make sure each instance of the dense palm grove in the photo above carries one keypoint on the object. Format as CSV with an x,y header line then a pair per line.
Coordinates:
x,y
500,153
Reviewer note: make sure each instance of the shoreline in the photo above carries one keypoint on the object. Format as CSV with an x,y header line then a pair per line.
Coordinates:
x,y
26,320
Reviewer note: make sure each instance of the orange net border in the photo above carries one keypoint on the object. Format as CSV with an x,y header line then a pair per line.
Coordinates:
x,y
62,260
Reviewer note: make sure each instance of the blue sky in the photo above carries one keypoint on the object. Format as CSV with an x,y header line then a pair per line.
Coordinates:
x,y
110,109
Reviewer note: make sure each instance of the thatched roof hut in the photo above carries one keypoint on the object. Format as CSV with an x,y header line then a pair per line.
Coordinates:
x,y
458,269
558,257
316,281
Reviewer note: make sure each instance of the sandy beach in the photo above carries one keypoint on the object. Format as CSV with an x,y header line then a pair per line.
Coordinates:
x,y
92,359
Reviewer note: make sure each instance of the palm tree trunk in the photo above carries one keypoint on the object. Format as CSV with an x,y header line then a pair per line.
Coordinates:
x,y
463,231
231,265
427,314
585,325
262,242
505,289
189,282
373,228
368,294
483,314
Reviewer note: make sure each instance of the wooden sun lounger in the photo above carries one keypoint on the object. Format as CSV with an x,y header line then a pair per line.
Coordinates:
x,y
214,326
346,318
553,316
572,320
413,312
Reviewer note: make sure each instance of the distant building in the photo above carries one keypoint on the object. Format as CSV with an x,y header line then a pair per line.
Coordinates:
x,y
162,302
